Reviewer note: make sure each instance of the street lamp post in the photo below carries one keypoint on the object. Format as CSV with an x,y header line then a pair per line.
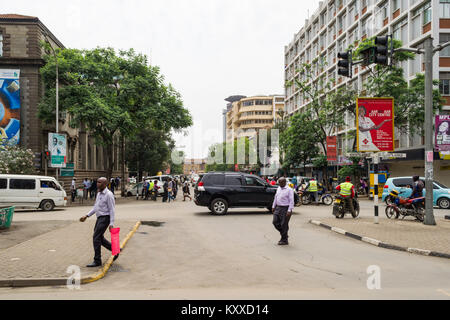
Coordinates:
x,y
57,89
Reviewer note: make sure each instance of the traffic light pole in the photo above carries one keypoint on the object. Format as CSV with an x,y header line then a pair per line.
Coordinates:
x,y
429,149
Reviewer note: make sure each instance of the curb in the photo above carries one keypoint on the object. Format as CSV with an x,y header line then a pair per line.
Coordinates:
x,y
102,272
381,244
19,282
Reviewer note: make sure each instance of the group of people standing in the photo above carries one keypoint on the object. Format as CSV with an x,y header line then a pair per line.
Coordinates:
x,y
170,188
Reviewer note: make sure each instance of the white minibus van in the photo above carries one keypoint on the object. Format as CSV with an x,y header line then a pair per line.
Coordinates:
x,y
24,191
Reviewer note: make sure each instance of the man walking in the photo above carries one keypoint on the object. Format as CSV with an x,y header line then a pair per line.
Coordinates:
x,y
104,209
282,207
73,189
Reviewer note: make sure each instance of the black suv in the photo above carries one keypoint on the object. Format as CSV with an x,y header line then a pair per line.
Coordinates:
x,y
222,190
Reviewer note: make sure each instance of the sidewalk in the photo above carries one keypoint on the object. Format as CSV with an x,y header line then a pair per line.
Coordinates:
x,y
48,256
395,234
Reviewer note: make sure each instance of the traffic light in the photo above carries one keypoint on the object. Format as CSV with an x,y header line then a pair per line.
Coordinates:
x,y
379,53
345,64
381,50
37,160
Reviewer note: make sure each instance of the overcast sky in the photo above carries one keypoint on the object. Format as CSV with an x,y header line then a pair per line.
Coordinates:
x,y
208,49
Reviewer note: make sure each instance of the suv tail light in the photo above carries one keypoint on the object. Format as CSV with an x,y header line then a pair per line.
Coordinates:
x,y
386,186
200,186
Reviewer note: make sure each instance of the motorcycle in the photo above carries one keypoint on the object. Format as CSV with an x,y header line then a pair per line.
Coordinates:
x,y
307,198
340,207
405,207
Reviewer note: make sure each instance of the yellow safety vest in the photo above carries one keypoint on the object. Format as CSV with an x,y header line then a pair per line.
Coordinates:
x,y
346,189
312,186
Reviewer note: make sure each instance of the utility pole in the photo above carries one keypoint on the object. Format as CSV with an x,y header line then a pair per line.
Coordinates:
x,y
376,161
429,149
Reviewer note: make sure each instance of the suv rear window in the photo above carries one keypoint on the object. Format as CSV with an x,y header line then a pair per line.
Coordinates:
x,y
233,180
402,182
213,179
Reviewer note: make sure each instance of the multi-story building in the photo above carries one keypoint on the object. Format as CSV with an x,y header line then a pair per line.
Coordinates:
x,y
194,166
337,24
248,115
21,50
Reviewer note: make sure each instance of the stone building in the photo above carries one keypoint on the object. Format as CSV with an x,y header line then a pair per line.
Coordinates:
x,y
20,49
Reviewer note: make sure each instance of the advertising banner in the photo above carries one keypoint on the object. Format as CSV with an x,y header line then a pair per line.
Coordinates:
x,y
57,145
375,124
332,148
10,106
442,133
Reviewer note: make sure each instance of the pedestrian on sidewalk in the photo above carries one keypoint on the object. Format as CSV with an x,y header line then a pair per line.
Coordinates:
x,y
186,192
73,189
86,186
104,209
282,207
170,189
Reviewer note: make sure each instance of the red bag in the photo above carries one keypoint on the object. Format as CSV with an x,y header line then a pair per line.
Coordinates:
x,y
115,242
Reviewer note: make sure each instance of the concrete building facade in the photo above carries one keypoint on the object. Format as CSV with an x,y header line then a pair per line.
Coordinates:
x,y
337,24
248,115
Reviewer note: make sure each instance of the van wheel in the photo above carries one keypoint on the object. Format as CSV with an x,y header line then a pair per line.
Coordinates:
x,y
47,205
219,206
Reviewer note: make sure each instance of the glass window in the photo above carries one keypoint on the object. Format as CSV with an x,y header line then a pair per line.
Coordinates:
x,y
403,182
1,45
213,179
444,9
440,185
427,13
249,181
3,183
444,87
49,184
233,181
22,184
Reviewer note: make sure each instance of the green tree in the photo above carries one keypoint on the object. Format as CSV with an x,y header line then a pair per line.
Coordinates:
x,y
16,160
111,94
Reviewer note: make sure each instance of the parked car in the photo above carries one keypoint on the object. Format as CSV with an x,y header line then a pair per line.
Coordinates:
x,y
441,194
134,189
27,191
161,180
220,191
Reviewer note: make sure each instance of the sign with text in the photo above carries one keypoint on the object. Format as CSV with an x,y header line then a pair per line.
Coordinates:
x,y
375,124
332,148
57,145
442,133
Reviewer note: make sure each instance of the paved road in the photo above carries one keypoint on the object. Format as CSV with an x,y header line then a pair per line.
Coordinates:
x,y
194,255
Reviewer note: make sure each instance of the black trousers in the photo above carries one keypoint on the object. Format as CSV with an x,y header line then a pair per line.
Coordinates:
x,y
281,221
101,226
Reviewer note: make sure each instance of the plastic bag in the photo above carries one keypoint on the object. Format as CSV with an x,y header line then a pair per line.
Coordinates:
x,y
115,242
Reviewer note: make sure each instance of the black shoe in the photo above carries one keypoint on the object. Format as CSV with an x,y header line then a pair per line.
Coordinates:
x,y
94,264
283,243
116,256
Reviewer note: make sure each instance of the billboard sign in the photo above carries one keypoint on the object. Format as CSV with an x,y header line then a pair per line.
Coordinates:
x,y
57,145
375,124
332,148
10,106
442,133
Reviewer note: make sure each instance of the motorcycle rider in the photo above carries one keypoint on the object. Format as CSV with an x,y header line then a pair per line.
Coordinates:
x,y
347,191
417,188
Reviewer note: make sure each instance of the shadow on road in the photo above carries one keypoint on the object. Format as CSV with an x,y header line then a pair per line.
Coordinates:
x,y
239,213
38,210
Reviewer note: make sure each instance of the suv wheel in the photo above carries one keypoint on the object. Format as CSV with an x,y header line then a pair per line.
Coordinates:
x,y
219,206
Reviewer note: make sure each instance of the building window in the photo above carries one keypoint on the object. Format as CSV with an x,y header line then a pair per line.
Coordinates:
x,y
444,9
427,13
1,45
443,38
444,87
